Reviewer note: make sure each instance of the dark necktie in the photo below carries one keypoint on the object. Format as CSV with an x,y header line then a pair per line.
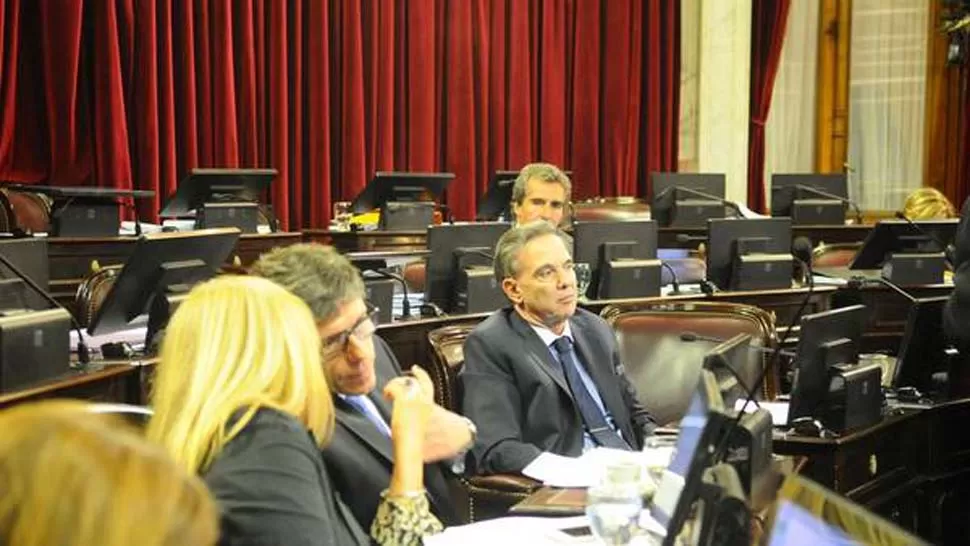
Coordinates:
x,y
593,418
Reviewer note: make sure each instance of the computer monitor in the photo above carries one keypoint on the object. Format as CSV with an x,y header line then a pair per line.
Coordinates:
x,y
673,204
733,354
825,339
203,186
924,346
700,430
749,253
809,514
789,190
455,248
621,257
30,256
899,236
162,268
406,200
34,346
84,211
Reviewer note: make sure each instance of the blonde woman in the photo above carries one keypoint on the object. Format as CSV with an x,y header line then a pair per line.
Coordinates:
x,y
73,478
928,204
240,398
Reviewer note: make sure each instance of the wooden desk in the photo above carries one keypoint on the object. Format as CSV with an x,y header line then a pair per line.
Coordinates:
x,y
117,382
71,258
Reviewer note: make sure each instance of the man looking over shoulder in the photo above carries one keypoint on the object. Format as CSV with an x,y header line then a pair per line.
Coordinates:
x,y
358,364
541,191
542,375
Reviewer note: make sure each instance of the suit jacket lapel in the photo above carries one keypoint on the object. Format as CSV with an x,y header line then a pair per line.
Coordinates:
x,y
539,353
361,427
593,354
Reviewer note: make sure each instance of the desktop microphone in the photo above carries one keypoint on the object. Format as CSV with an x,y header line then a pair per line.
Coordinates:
x,y
405,302
673,277
948,250
83,356
801,250
704,195
691,337
834,197
857,282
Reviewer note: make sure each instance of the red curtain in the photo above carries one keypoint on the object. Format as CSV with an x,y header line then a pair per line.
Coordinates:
x,y
768,21
132,94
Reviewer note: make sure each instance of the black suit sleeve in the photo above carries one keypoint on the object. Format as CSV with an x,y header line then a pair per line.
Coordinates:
x,y
956,318
492,400
268,486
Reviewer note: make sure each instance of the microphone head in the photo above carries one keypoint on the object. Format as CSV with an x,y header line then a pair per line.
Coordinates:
x,y
688,336
683,238
902,216
801,248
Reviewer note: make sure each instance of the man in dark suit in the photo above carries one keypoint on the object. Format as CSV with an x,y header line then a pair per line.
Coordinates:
x,y
542,375
358,364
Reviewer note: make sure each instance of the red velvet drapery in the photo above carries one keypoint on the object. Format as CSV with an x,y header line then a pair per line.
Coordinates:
x,y
769,19
129,93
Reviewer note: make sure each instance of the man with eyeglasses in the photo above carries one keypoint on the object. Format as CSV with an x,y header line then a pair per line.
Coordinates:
x,y
358,364
542,375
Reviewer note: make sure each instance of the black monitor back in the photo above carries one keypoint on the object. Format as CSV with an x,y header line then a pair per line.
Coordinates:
x,y
723,234
202,186
386,187
824,339
135,287
30,256
784,189
589,238
897,236
496,204
443,241
924,345
34,346
664,193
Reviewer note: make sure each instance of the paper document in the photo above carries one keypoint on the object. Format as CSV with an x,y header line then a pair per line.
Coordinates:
x,y
585,471
778,410
748,213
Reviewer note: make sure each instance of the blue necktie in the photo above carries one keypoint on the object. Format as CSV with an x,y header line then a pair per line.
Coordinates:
x,y
369,411
593,418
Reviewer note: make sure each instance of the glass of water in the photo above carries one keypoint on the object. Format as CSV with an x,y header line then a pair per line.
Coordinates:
x,y
583,276
613,510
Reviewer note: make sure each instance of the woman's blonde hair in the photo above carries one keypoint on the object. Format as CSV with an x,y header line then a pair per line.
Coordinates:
x,y
236,344
75,478
928,204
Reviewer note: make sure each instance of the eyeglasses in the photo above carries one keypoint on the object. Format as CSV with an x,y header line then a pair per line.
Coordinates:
x,y
361,331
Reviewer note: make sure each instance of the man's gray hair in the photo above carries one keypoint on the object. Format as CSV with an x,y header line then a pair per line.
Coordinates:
x,y
546,172
511,243
317,274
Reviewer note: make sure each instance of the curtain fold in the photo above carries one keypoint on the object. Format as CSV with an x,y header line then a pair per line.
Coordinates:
x,y
133,94
769,20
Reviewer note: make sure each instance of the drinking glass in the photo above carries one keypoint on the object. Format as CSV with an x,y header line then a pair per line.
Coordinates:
x,y
613,509
583,275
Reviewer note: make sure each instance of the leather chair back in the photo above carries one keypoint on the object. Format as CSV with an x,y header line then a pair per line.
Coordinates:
x,y
447,345
835,255
31,211
664,368
92,291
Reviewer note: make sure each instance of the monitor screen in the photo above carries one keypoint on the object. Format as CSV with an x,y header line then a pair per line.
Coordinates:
x,y
733,354
638,239
889,236
724,233
445,243
218,186
665,191
824,340
160,261
786,188
924,345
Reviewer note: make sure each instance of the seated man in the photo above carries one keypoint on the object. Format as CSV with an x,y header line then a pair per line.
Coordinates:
x,y
541,191
358,364
542,375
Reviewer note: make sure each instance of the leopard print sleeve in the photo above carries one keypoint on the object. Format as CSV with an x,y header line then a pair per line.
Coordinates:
x,y
403,520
